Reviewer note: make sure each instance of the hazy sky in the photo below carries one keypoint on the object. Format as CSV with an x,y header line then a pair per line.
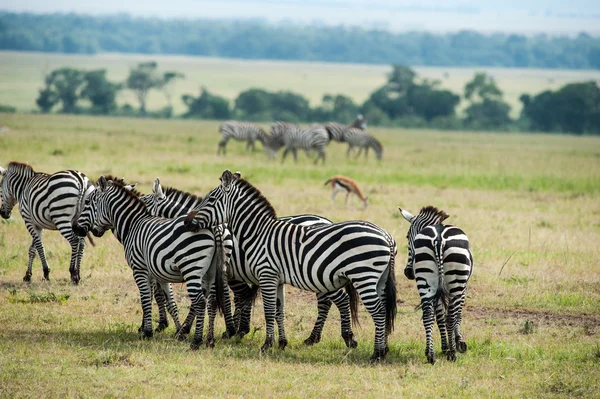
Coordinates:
x,y
525,16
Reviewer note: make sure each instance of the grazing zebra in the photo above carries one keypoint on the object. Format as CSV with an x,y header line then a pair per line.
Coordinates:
x,y
336,130
321,259
440,261
362,140
155,248
46,202
173,203
241,131
294,137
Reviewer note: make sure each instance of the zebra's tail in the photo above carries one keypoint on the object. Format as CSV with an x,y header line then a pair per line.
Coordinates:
x,y
91,240
390,291
353,295
219,281
442,292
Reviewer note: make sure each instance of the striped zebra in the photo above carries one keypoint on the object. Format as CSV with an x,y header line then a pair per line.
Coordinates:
x,y
46,202
294,137
321,259
440,261
170,202
362,140
155,248
336,130
241,131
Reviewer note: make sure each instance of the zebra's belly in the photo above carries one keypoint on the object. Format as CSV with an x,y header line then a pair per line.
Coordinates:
x,y
316,284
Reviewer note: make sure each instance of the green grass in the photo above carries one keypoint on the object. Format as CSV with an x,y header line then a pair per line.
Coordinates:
x,y
23,75
529,204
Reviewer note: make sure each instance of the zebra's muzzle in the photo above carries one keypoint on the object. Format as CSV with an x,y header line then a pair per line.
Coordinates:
x,y
5,215
409,272
78,230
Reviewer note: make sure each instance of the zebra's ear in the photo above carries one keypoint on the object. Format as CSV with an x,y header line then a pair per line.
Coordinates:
x,y
102,183
2,171
226,179
407,215
237,175
157,188
130,187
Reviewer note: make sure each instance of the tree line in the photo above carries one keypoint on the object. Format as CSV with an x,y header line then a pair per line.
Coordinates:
x,y
405,100
247,39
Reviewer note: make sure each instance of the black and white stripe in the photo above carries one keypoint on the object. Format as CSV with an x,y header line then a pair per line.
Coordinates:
x,y
362,140
321,259
294,137
46,202
155,248
241,131
440,261
336,130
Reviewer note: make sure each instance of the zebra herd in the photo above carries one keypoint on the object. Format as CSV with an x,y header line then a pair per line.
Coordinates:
x,y
232,239
292,138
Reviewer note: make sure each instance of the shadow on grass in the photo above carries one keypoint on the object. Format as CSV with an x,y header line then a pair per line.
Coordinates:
x,y
124,338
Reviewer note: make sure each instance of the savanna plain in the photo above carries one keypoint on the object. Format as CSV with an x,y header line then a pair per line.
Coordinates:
x,y
529,203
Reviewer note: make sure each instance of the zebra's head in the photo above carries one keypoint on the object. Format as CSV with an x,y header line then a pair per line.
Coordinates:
x,y
94,215
158,198
12,178
428,216
213,210
360,122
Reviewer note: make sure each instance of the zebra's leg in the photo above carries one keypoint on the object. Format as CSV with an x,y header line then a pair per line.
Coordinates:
x,y
367,153
440,317
230,326
73,269
212,314
167,292
454,304
268,286
285,152
36,235
367,290
323,306
142,280
295,154
342,302
428,315
280,315
186,326
161,301
199,308
349,150
32,251
360,149
461,345
222,146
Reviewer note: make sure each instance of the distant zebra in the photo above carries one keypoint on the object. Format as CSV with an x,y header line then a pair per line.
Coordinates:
x,y
294,137
336,130
172,203
241,131
46,202
440,261
155,248
362,140
321,259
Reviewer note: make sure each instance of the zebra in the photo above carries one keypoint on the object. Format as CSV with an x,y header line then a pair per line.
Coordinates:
x,y
293,137
241,131
336,130
321,259
46,201
362,140
171,202
440,261
155,248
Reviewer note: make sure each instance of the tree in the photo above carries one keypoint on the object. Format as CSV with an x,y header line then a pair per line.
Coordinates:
x,y
206,106
47,99
62,85
168,86
100,92
253,102
481,87
144,78
487,109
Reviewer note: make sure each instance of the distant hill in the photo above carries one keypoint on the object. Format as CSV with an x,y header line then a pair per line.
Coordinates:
x,y
248,39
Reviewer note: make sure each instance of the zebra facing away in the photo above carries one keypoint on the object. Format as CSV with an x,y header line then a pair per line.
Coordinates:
x,y
45,202
155,248
241,131
336,130
362,140
171,202
321,259
440,261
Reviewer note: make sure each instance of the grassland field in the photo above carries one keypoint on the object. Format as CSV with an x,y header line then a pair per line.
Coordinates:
x,y
529,203
23,76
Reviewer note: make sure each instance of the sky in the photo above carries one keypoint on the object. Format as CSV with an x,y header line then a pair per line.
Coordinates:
x,y
524,16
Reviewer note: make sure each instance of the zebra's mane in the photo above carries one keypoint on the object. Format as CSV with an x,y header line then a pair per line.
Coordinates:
x,y
121,182
246,185
172,192
434,212
135,198
21,167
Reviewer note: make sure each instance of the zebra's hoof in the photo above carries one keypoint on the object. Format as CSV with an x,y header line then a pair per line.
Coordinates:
x,y
47,275
310,341
352,343
451,355
378,356
461,346
431,360
266,346
283,343
210,342
147,334
74,280
162,325
27,278
195,345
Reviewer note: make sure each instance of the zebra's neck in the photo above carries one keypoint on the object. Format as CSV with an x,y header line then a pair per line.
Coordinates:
x,y
179,203
125,210
250,212
18,184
